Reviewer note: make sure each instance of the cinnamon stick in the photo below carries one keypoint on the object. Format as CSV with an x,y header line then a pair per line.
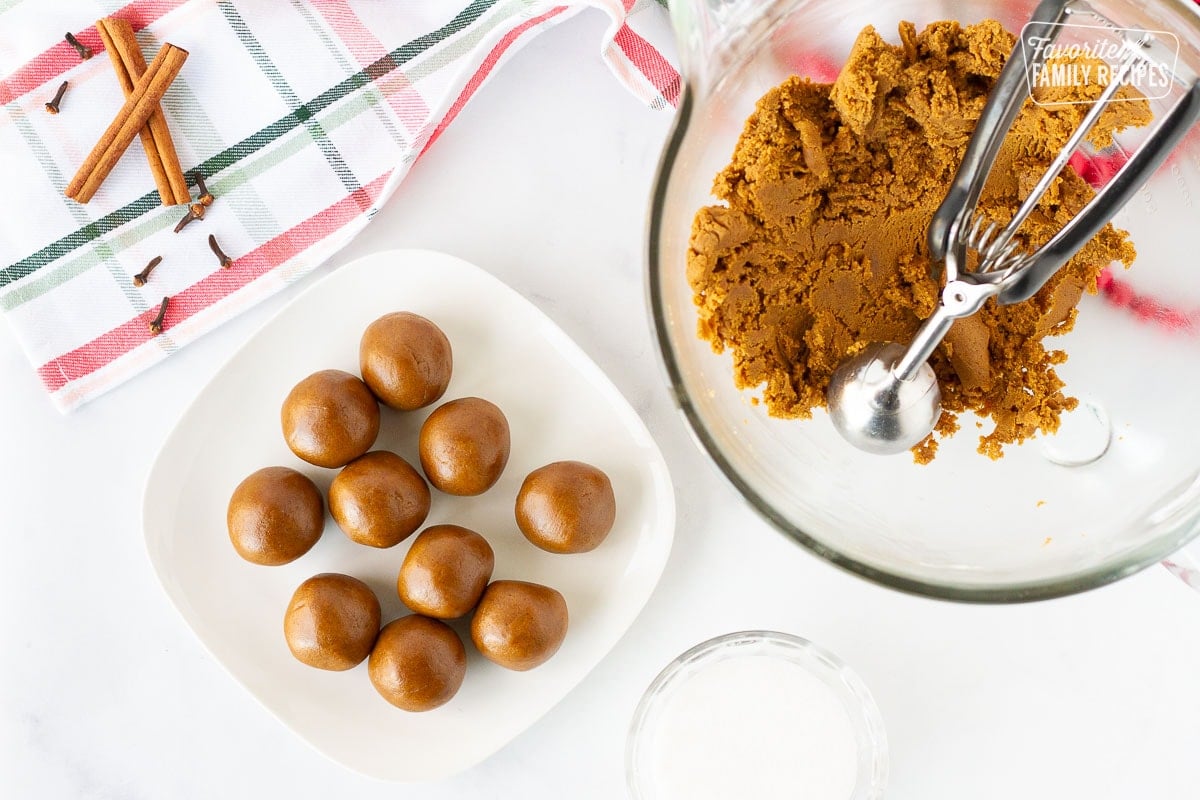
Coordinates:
x,y
153,158
148,90
129,64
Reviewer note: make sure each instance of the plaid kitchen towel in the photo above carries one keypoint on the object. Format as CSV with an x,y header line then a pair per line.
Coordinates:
x,y
303,116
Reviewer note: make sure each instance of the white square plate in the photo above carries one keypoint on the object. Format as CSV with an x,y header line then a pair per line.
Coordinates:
x,y
559,406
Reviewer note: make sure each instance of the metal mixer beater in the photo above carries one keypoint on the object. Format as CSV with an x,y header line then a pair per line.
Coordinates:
x,y
886,399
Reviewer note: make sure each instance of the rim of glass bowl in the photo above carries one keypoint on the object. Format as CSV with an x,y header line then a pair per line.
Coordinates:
x,y
850,689
1015,592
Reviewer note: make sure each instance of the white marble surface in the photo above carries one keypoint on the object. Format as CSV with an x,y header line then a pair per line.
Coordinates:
x,y
104,693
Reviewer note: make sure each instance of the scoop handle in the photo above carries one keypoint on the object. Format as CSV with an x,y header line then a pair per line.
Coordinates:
x,y
1003,105
1100,210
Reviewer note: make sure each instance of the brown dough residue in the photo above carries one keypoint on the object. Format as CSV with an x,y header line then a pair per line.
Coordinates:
x,y
821,248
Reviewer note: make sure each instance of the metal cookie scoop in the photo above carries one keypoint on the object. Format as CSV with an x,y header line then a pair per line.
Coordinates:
x,y
886,399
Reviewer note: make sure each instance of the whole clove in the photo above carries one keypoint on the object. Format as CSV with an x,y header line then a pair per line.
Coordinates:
x,y
195,211
226,261
84,51
156,324
143,276
52,106
206,198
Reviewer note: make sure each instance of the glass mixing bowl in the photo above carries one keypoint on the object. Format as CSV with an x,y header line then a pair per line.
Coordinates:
x,y
1117,489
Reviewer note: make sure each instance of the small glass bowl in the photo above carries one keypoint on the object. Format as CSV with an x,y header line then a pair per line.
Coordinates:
x,y
843,683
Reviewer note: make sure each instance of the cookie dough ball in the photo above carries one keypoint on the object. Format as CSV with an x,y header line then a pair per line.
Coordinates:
x,y
464,446
566,507
418,663
330,418
519,625
406,360
445,572
332,621
379,499
275,516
